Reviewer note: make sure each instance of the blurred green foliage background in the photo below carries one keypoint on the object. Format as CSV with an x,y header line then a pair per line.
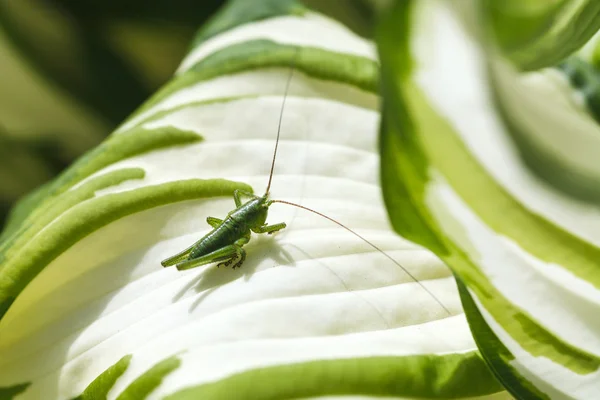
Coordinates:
x,y
71,71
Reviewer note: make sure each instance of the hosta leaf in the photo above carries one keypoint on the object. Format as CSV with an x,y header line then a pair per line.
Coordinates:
x,y
454,182
559,137
313,312
540,33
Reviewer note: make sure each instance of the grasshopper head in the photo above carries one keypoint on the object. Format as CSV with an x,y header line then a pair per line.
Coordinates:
x,y
257,211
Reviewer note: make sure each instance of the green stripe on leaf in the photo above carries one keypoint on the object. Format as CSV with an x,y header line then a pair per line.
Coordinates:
x,y
422,376
99,388
354,70
498,357
118,147
149,380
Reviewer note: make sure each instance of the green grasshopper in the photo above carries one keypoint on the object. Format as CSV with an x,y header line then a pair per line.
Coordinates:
x,y
226,240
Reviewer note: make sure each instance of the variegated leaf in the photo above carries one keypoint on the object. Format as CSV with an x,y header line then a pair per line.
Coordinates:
x,y
455,182
313,312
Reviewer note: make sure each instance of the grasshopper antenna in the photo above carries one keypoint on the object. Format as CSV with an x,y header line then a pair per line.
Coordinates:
x,y
370,244
287,86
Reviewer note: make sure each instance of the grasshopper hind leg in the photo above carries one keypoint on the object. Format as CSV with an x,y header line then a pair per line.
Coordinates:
x,y
240,256
177,258
226,254
182,256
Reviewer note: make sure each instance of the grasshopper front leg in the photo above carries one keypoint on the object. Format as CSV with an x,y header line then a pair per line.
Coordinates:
x,y
269,229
